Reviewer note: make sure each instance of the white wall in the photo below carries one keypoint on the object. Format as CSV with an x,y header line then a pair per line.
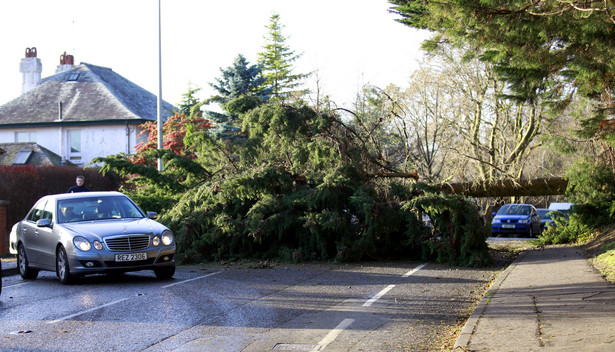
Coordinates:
x,y
96,141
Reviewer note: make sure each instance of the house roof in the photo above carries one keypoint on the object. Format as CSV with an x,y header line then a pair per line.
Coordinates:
x,y
89,95
28,154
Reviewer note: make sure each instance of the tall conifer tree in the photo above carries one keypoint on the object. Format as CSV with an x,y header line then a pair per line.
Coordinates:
x,y
189,101
277,62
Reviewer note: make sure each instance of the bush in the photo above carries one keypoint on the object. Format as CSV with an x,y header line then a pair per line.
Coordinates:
x,y
591,187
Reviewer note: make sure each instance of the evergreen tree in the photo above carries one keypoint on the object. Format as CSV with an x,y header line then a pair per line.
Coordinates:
x,y
239,79
277,62
189,101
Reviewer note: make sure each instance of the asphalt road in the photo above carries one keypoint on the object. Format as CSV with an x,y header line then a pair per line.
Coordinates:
x,y
311,307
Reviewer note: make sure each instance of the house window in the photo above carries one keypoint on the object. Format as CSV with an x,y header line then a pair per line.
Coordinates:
x,y
25,137
22,157
74,145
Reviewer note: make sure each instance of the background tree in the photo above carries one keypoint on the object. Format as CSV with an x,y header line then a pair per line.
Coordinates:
x,y
542,47
239,79
421,116
189,101
277,62
457,113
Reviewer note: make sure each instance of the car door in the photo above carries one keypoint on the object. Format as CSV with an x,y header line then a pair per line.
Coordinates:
x,y
535,221
47,238
30,233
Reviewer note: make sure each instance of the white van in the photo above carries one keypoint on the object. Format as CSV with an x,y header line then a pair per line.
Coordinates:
x,y
562,207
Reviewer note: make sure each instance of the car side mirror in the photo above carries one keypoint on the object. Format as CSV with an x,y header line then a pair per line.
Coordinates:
x,y
43,223
152,215
493,214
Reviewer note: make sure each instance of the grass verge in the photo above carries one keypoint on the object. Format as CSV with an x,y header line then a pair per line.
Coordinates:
x,y
600,251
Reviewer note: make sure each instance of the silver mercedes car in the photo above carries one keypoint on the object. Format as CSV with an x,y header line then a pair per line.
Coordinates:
x,y
76,234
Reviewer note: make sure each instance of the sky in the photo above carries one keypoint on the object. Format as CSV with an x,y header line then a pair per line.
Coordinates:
x,y
349,43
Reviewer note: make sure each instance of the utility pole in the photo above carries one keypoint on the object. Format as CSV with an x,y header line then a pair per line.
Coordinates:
x,y
159,117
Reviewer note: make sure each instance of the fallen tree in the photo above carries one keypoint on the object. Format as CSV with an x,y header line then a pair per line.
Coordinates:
x,y
508,188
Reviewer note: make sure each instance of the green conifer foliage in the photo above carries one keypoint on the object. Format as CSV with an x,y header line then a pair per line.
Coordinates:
x,y
189,102
296,190
302,185
237,80
277,61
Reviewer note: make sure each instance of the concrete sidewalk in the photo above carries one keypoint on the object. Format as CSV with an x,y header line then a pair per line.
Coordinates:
x,y
546,300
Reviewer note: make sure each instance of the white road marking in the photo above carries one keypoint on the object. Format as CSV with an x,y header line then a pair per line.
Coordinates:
x,y
414,270
333,334
193,279
390,287
123,299
88,310
378,296
17,285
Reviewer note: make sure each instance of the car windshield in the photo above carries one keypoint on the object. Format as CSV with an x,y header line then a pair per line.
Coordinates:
x,y
545,213
514,209
97,208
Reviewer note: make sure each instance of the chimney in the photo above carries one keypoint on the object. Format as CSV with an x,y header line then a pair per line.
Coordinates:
x,y
67,62
31,68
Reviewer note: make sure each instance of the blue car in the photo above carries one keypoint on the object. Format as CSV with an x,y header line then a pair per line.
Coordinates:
x,y
547,217
520,219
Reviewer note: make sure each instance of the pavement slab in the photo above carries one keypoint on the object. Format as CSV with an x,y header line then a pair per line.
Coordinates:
x,y
547,299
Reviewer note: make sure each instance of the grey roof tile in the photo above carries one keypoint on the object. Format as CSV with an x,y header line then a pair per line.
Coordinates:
x,y
88,93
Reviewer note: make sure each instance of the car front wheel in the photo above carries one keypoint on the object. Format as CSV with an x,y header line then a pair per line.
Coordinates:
x,y
22,263
62,267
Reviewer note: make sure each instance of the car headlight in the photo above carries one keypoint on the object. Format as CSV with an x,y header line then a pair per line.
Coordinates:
x,y
524,221
167,237
495,221
98,245
156,240
82,243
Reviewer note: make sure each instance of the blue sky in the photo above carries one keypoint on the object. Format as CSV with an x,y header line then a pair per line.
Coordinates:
x,y
349,42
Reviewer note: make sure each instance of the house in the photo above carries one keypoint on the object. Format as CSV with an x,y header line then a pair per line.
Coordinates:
x,y
81,112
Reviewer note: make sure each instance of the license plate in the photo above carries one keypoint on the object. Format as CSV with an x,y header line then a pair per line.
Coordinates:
x,y
508,226
130,257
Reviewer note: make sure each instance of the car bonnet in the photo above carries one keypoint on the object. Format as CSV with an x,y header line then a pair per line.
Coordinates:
x,y
114,227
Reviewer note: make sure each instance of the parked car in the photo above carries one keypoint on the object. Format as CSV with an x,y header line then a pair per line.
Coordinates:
x,y
76,234
547,217
516,219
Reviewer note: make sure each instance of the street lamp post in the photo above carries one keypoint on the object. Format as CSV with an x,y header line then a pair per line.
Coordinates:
x,y
159,116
